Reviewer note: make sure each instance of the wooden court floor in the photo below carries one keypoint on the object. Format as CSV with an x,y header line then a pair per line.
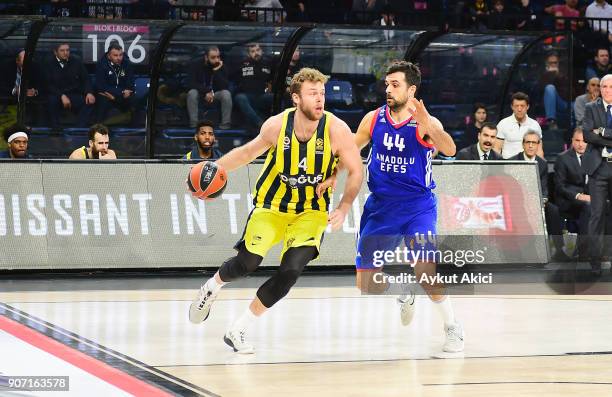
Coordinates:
x,y
329,340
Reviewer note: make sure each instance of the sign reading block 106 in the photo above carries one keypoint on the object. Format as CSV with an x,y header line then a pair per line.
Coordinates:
x,y
132,38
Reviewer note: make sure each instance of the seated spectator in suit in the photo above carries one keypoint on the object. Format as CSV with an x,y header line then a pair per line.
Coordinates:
x,y
572,197
98,146
483,149
601,65
16,136
254,84
531,141
114,82
555,85
204,145
68,86
581,100
208,79
479,118
32,91
498,19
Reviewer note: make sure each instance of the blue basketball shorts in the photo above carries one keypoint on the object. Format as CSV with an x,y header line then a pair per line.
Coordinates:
x,y
385,223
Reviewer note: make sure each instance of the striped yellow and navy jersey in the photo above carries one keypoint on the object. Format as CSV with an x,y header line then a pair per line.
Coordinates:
x,y
293,169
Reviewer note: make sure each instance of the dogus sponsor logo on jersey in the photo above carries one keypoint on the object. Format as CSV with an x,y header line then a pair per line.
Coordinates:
x,y
301,180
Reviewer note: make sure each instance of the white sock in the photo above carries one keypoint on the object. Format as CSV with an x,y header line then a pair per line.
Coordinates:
x,y
244,321
445,308
213,285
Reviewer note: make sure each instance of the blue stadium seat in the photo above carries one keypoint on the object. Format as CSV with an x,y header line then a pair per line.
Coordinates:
x,y
339,92
141,84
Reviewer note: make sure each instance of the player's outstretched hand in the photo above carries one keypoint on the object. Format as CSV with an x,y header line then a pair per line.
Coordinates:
x,y
326,184
336,218
418,110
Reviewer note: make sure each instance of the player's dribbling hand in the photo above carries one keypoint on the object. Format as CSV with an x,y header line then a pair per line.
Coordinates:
x,y
326,184
336,218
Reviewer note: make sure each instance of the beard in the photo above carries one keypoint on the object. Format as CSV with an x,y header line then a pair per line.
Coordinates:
x,y
204,148
396,105
310,115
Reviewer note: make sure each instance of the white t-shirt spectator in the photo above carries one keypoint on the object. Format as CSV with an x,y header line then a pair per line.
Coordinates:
x,y
512,133
267,16
594,10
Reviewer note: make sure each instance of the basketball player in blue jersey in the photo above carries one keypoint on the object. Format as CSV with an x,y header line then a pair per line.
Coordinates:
x,y
401,205
304,144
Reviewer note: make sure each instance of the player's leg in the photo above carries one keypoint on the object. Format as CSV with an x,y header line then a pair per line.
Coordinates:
x,y
302,240
421,234
262,231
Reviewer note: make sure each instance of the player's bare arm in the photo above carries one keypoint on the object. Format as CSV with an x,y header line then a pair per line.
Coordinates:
x,y
432,127
343,146
77,154
245,154
362,138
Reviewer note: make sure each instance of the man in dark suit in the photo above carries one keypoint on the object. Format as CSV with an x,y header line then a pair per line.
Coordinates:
x,y
68,86
597,163
483,149
531,142
571,191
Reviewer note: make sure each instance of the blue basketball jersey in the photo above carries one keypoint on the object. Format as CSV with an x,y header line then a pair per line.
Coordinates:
x,y
399,164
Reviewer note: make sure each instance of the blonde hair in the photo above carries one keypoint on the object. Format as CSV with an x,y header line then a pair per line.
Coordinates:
x,y
306,74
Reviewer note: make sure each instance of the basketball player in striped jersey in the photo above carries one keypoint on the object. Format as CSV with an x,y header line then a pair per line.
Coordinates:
x,y
304,145
401,205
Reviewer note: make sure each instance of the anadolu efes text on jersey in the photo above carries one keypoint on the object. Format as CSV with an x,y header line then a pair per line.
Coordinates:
x,y
400,160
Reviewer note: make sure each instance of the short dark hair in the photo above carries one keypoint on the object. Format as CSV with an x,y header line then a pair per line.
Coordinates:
x,y
412,74
479,105
601,48
61,43
13,128
204,123
212,48
114,46
99,128
491,126
520,96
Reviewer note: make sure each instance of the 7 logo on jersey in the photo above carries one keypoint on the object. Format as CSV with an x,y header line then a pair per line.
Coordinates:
x,y
390,143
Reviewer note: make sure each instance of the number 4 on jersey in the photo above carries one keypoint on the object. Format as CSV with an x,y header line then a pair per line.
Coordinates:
x,y
399,142
302,164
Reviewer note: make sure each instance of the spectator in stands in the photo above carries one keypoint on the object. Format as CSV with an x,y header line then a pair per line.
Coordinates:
x,y
296,10
16,136
479,11
98,146
274,11
387,18
68,86
473,129
208,79
601,65
483,149
600,9
511,129
555,85
572,197
581,101
364,11
498,18
530,143
114,82
525,16
597,129
567,10
254,85
227,10
204,146
31,92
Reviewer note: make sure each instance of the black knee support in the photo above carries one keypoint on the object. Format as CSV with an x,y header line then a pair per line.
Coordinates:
x,y
240,265
292,265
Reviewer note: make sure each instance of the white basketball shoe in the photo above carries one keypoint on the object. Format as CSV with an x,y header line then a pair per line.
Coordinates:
x,y
200,307
454,338
407,305
236,340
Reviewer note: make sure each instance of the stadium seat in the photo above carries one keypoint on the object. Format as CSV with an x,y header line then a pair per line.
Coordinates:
x,y
339,92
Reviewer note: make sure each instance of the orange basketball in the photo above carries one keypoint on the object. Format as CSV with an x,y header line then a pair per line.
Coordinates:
x,y
206,180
